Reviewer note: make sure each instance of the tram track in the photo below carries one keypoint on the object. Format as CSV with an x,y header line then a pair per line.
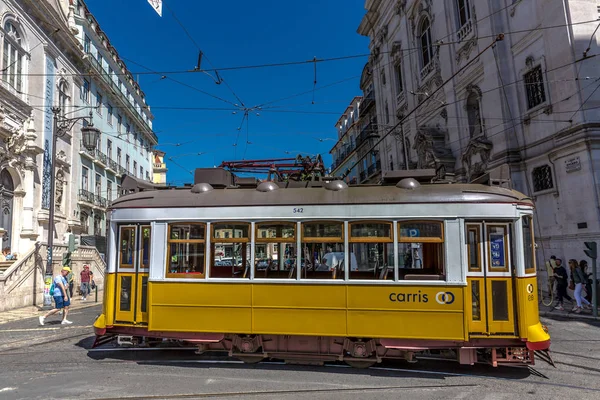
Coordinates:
x,y
362,389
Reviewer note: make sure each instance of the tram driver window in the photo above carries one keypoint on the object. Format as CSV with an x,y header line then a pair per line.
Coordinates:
x,y
371,250
421,250
186,251
322,252
230,249
275,250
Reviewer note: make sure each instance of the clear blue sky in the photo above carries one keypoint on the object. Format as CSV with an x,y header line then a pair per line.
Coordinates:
x,y
236,33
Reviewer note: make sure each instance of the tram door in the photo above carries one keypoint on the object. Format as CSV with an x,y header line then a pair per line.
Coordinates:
x,y
490,279
132,274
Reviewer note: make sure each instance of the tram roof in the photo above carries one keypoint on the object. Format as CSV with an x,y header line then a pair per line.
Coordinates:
x,y
363,194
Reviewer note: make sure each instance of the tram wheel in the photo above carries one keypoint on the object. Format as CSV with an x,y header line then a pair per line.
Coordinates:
x,y
360,364
250,359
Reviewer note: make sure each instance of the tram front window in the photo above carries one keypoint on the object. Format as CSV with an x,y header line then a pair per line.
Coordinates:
x,y
420,250
186,251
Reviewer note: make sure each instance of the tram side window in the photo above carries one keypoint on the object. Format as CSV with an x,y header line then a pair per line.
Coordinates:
x,y
186,250
474,250
322,253
275,250
127,248
371,250
230,249
421,250
528,244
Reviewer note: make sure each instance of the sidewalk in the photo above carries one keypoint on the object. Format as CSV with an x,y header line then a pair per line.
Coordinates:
x,y
35,311
550,311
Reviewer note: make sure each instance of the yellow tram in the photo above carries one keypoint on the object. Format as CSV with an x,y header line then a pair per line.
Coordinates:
x,y
319,271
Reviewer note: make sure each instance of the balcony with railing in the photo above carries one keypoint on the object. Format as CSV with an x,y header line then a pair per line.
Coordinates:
x,y
100,201
100,158
430,67
465,30
370,130
91,154
112,166
136,112
367,101
159,167
85,196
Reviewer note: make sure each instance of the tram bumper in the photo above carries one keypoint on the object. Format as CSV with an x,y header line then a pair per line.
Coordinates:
x,y
538,337
100,325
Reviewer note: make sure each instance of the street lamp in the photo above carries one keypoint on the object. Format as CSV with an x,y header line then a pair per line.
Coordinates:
x,y
90,135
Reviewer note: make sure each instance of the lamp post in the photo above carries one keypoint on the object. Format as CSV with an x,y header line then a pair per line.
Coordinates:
x,y
90,135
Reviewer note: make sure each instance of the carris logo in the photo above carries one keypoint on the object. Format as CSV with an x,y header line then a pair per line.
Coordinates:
x,y
444,297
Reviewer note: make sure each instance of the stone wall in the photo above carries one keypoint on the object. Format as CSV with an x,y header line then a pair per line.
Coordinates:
x,y
23,283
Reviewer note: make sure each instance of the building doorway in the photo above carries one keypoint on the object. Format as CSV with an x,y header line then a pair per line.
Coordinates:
x,y
7,194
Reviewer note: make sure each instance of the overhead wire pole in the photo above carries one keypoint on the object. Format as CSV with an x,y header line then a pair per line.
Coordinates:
x,y
498,38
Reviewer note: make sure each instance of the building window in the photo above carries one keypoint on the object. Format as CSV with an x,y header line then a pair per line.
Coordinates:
x,y
100,60
147,176
128,130
85,91
99,103
13,59
119,123
109,192
542,178
464,12
84,178
426,46
109,149
63,96
135,169
109,114
97,225
141,172
98,185
534,87
119,156
383,79
399,84
87,44
474,114
127,164
387,112
84,221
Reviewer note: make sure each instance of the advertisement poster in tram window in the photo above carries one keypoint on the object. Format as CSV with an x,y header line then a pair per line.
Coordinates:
x,y
497,250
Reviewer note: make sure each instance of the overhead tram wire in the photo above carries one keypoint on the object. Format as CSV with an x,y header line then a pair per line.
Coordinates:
x,y
431,95
221,80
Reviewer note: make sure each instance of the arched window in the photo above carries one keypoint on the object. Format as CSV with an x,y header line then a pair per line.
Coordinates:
x,y
426,46
474,115
13,57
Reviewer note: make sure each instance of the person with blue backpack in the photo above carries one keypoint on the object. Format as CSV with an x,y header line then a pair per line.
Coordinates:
x,y
62,301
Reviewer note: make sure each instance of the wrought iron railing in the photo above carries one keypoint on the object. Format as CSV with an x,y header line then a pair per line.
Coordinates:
x,y
86,196
100,156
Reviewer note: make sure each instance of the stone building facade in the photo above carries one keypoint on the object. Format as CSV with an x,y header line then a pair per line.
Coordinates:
x,y
44,63
462,104
343,152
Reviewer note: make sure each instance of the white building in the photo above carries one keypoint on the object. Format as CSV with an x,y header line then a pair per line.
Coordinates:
x,y
343,151
50,56
526,102
121,113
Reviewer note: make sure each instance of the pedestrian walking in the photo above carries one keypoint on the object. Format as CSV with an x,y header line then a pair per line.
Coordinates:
x,y
61,297
86,280
588,280
71,283
561,277
578,279
551,279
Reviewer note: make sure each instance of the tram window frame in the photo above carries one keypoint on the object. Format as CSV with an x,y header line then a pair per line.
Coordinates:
x,y
202,241
388,249
280,242
505,236
214,241
312,242
528,253
133,247
440,267
469,227
142,252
